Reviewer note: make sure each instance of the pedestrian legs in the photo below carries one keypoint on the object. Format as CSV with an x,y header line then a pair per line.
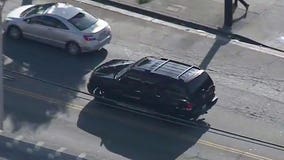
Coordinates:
x,y
243,2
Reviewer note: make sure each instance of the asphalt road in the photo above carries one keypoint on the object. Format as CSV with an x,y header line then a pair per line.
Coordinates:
x,y
249,85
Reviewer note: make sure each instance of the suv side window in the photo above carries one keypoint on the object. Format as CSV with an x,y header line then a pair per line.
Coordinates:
x,y
131,78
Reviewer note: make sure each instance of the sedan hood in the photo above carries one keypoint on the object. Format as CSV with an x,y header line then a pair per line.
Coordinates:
x,y
16,13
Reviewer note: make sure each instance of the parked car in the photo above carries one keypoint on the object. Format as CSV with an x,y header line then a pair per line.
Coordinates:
x,y
58,24
155,84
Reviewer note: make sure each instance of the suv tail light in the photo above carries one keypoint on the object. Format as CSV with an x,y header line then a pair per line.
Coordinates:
x,y
189,107
89,37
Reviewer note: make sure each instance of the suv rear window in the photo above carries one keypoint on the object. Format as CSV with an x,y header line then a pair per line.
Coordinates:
x,y
83,21
202,80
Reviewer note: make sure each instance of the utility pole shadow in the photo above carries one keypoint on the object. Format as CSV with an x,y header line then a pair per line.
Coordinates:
x,y
220,41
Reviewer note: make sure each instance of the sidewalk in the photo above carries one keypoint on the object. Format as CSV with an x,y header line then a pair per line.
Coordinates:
x,y
16,147
263,23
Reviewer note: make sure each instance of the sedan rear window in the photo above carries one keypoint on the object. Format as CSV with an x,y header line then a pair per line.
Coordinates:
x,y
83,21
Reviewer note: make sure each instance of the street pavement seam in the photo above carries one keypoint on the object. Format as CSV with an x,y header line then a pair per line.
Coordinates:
x,y
260,47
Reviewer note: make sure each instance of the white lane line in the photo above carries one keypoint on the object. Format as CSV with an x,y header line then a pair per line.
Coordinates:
x,y
18,139
59,151
180,27
81,156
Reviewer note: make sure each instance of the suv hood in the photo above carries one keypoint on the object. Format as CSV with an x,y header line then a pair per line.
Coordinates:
x,y
112,67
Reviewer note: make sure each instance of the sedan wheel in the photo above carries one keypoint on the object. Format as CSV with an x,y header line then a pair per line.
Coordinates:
x,y
73,48
14,32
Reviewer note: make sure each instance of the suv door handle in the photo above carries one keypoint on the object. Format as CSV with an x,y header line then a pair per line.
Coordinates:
x,y
138,91
158,96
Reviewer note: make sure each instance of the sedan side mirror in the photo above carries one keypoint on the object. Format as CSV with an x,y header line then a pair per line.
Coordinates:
x,y
28,20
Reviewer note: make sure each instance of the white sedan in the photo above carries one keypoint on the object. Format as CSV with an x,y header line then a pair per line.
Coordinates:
x,y
59,24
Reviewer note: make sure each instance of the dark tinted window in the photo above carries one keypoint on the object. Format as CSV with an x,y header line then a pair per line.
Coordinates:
x,y
35,20
133,74
83,21
131,81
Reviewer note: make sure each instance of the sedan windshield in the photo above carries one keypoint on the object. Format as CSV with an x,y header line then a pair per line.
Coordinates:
x,y
83,21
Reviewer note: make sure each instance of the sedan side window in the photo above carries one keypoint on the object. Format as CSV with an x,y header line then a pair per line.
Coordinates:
x,y
53,22
34,20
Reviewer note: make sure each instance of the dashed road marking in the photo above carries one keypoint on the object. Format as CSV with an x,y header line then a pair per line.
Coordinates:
x,y
59,151
81,156
38,145
18,139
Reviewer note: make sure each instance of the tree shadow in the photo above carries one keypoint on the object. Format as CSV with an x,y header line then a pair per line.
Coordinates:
x,y
137,137
219,42
27,2
53,66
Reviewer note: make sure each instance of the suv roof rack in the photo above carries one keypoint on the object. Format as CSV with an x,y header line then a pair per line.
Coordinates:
x,y
159,66
183,72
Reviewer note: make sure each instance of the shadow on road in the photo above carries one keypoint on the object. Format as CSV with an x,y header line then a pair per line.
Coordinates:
x,y
49,64
137,137
219,42
27,2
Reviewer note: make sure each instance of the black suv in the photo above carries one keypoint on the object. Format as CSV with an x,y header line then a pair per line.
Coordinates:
x,y
155,84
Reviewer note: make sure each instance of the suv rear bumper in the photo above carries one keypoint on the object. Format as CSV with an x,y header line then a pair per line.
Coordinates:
x,y
209,105
205,107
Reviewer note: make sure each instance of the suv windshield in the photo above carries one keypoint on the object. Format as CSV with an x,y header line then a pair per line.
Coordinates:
x,y
37,9
83,21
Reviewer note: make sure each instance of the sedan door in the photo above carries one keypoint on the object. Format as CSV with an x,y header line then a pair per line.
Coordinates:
x,y
34,28
57,33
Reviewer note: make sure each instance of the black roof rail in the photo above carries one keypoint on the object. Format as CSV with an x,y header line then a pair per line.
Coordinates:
x,y
159,66
183,72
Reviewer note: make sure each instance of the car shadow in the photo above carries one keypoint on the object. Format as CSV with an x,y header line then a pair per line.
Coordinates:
x,y
135,136
45,67
47,62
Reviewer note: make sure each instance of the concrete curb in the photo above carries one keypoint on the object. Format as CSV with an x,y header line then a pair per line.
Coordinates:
x,y
157,15
37,150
